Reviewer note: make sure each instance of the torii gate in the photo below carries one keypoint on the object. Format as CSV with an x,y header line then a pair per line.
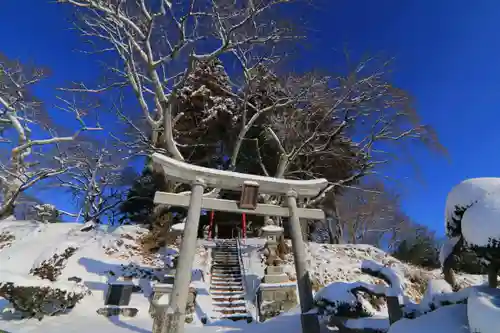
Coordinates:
x,y
249,185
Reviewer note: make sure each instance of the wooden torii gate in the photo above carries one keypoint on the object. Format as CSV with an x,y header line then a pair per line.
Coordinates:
x,y
250,186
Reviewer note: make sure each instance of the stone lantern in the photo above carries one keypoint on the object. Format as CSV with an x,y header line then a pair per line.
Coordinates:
x,y
272,233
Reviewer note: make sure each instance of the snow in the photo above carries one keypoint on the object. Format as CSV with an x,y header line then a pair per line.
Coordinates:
x,y
341,263
434,288
340,293
99,251
105,249
448,319
480,223
483,310
178,226
481,196
470,191
233,180
396,287
374,323
272,228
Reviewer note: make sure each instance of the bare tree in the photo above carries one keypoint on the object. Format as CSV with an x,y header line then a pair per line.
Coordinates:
x,y
23,114
371,214
160,43
94,178
342,127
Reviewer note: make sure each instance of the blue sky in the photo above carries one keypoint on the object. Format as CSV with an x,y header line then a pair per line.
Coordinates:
x,y
447,55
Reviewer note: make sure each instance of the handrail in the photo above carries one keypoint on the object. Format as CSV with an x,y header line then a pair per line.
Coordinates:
x,y
243,273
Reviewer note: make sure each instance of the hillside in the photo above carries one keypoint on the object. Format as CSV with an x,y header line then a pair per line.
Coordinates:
x,y
100,256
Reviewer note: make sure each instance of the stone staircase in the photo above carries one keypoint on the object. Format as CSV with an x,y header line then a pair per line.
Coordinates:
x,y
227,284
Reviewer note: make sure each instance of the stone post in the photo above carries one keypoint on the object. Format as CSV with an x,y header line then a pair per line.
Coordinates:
x,y
299,254
176,311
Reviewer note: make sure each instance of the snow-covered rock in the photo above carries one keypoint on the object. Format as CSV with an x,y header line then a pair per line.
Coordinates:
x,y
178,227
434,288
465,195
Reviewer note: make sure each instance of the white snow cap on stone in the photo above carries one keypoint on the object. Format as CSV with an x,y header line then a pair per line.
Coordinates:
x,y
396,287
272,228
480,222
468,192
178,226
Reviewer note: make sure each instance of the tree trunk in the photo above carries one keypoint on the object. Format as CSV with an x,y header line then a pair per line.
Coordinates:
x,y
449,263
493,275
7,210
8,205
332,218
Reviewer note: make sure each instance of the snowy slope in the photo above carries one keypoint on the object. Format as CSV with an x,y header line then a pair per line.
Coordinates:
x,y
25,245
98,252
332,263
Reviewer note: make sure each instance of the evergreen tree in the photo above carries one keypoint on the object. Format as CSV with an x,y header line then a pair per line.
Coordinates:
x,y
139,206
422,250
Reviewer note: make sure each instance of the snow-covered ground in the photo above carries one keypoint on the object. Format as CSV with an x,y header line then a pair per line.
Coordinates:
x,y
24,245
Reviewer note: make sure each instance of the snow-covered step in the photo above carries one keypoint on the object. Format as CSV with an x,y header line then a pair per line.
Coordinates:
x,y
226,298
227,275
234,302
234,258
227,293
225,266
226,288
231,293
228,270
236,315
227,283
231,308
230,281
227,278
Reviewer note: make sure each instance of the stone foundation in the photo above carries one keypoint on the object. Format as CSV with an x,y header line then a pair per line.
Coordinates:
x,y
163,289
276,294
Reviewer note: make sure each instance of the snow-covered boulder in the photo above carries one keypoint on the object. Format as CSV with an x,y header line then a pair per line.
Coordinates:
x,y
434,288
472,220
472,210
